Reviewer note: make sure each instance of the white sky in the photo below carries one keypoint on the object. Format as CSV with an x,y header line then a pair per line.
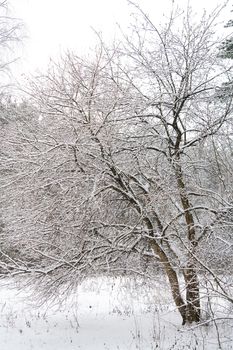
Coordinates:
x,y
54,25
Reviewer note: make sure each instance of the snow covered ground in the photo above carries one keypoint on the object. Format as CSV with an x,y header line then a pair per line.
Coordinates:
x,y
103,314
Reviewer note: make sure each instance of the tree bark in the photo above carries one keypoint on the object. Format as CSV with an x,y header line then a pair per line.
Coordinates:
x,y
170,272
193,310
173,281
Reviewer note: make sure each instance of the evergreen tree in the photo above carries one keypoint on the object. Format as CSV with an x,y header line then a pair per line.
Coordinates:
x,y
227,46
226,52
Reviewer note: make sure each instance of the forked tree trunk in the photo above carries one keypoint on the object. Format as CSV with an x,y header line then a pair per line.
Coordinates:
x,y
189,310
173,280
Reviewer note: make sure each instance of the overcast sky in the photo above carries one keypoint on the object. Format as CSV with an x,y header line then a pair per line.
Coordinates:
x,y
52,26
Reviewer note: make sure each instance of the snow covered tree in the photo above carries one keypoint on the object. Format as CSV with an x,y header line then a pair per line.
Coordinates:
x,y
10,30
227,45
9,35
114,175
226,53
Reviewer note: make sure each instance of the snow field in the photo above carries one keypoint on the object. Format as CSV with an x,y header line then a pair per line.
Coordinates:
x,y
104,314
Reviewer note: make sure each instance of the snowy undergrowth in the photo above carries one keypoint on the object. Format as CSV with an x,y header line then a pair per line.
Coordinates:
x,y
104,314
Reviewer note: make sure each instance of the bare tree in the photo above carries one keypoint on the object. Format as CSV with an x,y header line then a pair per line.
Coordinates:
x,y
10,29
115,177
10,34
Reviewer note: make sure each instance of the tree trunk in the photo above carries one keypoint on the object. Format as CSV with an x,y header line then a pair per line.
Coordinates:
x,y
173,280
193,309
169,270
190,274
